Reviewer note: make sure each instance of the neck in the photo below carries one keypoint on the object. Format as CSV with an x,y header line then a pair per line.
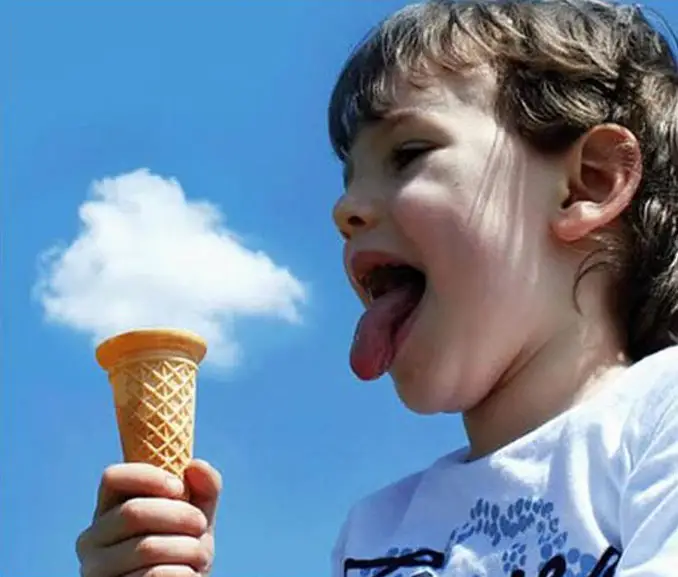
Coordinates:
x,y
562,371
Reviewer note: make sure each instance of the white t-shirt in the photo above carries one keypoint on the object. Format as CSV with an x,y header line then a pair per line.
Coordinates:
x,y
592,493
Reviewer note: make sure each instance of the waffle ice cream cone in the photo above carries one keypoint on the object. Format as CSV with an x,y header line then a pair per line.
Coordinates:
x,y
153,376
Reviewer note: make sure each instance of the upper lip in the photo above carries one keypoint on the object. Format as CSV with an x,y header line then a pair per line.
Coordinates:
x,y
362,263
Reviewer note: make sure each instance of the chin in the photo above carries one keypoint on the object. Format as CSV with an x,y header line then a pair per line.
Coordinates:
x,y
421,397
431,386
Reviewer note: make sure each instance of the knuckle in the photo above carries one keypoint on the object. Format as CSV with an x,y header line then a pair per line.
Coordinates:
x,y
182,518
207,542
109,476
194,519
203,555
149,549
133,514
90,567
156,550
81,544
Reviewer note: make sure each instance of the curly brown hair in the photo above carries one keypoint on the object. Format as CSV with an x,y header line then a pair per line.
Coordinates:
x,y
562,67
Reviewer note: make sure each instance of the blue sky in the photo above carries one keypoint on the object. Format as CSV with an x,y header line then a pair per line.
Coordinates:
x,y
229,99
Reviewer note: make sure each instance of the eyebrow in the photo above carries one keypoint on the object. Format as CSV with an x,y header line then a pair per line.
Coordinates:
x,y
385,125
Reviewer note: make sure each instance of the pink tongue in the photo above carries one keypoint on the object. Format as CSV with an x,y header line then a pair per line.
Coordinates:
x,y
373,348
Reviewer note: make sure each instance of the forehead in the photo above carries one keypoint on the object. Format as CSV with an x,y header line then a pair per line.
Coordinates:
x,y
445,99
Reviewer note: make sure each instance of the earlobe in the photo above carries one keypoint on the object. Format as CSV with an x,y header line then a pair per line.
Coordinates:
x,y
578,221
604,169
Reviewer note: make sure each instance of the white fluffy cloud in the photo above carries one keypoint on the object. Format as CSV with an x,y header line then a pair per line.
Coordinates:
x,y
146,256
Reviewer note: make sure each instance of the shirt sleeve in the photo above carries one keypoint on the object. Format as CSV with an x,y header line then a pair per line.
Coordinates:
x,y
649,505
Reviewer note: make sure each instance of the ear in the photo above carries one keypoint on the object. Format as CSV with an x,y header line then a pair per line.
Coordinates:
x,y
604,168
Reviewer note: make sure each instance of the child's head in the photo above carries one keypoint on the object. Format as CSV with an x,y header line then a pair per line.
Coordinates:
x,y
512,152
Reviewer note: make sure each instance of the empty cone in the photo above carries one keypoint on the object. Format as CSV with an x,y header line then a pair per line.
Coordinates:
x,y
153,375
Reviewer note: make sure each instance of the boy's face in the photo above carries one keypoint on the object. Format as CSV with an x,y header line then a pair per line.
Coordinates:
x,y
439,185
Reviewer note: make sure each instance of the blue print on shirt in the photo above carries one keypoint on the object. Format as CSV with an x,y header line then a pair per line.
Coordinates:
x,y
527,527
523,522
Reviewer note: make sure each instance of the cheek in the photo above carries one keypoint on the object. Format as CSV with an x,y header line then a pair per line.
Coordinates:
x,y
473,248
451,231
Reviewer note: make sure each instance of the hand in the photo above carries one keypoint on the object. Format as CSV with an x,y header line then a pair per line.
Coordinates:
x,y
142,528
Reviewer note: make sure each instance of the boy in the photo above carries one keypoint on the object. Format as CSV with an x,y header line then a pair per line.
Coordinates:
x,y
510,218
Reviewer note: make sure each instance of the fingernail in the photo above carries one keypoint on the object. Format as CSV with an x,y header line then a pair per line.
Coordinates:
x,y
174,484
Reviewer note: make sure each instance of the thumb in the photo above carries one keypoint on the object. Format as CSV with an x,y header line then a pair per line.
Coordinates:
x,y
204,485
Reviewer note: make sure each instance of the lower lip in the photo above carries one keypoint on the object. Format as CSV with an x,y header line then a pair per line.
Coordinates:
x,y
406,328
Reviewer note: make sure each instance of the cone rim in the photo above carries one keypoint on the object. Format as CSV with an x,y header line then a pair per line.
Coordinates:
x,y
132,343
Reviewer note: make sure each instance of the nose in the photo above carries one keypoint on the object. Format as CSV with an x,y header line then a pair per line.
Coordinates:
x,y
353,216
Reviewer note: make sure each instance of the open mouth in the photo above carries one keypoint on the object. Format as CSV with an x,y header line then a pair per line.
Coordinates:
x,y
391,277
392,292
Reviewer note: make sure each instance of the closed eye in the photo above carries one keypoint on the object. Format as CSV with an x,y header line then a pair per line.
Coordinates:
x,y
405,154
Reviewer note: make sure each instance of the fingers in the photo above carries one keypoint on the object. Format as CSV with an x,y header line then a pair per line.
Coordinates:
x,y
120,482
144,527
205,484
142,516
149,552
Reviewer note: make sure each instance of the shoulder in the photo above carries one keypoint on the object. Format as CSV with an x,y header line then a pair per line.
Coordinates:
x,y
657,366
622,416
652,383
377,515
648,510
650,388
373,517
646,388
381,510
